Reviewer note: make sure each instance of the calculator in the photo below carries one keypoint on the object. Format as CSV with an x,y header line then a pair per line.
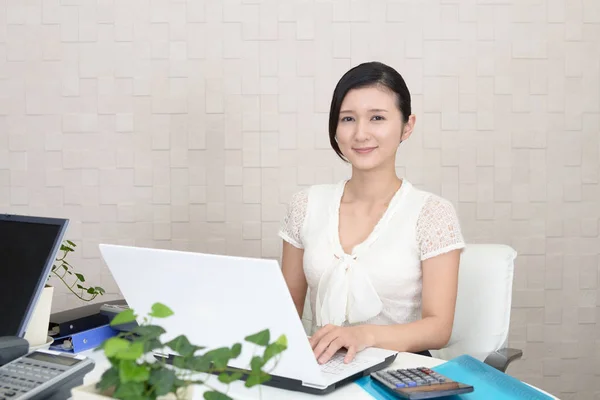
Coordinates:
x,y
418,383
43,374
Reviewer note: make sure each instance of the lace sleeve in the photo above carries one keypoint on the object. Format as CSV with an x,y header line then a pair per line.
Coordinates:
x,y
438,228
293,220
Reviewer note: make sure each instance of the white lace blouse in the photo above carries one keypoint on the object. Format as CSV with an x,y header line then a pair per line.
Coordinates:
x,y
380,281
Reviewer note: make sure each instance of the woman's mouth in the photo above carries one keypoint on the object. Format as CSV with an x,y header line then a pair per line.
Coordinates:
x,y
364,150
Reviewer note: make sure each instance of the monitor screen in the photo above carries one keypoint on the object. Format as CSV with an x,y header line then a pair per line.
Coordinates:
x,y
28,247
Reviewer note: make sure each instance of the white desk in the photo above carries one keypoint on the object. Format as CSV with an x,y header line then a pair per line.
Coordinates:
x,y
239,392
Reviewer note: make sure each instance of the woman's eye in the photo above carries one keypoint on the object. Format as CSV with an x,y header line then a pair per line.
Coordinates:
x,y
378,118
346,119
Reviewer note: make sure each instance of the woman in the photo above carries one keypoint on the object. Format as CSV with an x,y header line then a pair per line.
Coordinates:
x,y
380,256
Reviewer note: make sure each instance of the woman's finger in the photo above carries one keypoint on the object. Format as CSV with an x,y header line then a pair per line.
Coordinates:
x,y
316,338
333,347
350,354
325,342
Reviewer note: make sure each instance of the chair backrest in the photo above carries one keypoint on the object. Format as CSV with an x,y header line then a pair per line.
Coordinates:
x,y
482,315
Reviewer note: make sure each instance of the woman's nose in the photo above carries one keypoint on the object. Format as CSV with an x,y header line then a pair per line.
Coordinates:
x,y
362,131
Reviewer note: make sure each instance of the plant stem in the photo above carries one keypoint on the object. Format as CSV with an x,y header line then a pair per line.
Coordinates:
x,y
71,288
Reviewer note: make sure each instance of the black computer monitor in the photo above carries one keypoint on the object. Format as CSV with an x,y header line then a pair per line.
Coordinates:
x,y
28,248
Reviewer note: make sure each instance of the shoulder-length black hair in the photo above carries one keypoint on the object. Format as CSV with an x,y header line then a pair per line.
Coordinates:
x,y
366,75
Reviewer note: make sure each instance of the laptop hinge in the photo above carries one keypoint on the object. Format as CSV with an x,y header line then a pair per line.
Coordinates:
x,y
313,385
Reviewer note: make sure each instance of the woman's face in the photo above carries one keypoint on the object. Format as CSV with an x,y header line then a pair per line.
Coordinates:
x,y
370,127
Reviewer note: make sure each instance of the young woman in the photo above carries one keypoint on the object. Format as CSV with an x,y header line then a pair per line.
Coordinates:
x,y
380,256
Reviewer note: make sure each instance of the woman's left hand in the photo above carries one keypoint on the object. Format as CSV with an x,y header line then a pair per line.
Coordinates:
x,y
331,338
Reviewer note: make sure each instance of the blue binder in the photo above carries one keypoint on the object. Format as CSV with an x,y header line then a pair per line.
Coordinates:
x,y
84,340
489,383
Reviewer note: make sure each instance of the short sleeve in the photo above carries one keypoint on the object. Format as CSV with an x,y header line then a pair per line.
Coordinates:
x,y
438,228
291,226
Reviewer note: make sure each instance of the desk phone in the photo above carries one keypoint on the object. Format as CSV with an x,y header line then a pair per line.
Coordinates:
x,y
418,383
43,374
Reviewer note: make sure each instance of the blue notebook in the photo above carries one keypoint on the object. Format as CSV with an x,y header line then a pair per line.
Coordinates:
x,y
489,383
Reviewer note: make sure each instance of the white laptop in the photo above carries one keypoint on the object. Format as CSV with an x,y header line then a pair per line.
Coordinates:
x,y
219,300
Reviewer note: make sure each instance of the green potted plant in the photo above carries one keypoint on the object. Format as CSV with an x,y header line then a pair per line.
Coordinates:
x,y
74,281
37,328
134,373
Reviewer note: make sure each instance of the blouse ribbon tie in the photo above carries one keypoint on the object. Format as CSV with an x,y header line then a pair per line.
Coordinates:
x,y
345,293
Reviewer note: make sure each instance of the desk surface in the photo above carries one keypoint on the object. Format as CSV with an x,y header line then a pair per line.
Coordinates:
x,y
239,392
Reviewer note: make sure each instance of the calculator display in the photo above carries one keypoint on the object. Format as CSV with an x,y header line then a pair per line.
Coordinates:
x,y
53,359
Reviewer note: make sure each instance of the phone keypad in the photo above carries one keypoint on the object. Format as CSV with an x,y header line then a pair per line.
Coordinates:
x,y
22,376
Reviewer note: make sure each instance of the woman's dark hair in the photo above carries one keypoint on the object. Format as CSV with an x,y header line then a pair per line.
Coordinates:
x,y
367,75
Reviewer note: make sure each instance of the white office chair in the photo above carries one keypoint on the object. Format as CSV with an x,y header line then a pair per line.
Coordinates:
x,y
482,314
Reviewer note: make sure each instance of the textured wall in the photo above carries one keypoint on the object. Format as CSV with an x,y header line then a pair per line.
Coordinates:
x,y
188,125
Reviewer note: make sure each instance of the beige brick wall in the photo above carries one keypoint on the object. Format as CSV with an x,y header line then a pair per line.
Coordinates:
x,y
188,125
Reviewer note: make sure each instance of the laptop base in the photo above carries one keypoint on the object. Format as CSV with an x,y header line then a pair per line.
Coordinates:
x,y
295,385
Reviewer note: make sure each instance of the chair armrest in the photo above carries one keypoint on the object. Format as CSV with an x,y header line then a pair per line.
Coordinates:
x,y
501,358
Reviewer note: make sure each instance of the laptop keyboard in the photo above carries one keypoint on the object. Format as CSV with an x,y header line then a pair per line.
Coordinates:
x,y
336,364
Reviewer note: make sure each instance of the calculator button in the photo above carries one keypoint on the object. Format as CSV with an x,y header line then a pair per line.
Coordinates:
x,y
9,394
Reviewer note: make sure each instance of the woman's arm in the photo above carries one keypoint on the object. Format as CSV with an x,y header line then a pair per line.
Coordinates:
x,y
293,273
432,332
440,282
292,258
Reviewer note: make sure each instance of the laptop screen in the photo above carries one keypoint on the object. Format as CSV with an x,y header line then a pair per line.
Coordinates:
x,y
28,247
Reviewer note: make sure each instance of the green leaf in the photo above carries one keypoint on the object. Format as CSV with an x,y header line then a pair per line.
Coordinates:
x,y
100,290
130,390
124,317
91,291
257,378
148,331
236,350
159,310
80,277
282,341
71,243
256,363
227,378
271,351
214,395
122,349
65,267
163,380
261,338
275,348
80,287
182,346
196,363
65,248
152,344
181,362
109,379
133,352
114,345
220,357
129,371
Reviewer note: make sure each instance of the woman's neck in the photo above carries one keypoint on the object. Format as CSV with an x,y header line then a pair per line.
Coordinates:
x,y
372,186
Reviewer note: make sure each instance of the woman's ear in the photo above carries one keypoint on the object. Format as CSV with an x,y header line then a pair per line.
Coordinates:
x,y
408,127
